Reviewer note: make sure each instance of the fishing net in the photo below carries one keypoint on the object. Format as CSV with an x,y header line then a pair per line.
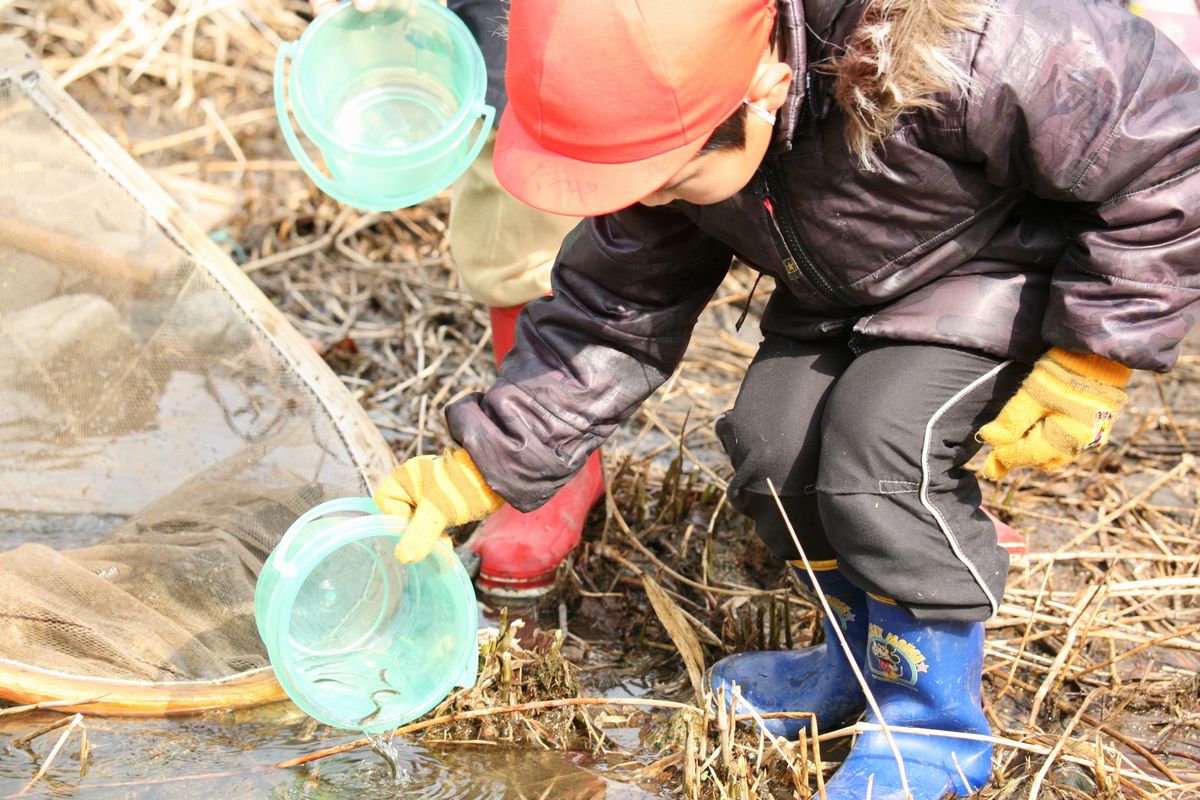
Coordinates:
x,y
161,425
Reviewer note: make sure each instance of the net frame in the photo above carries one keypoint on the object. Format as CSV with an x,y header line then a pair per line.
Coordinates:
x,y
24,683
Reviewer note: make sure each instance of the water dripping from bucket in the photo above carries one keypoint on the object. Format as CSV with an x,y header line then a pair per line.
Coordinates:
x,y
382,744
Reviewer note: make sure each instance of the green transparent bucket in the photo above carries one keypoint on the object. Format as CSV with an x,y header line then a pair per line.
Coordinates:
x,y
357,639
393,99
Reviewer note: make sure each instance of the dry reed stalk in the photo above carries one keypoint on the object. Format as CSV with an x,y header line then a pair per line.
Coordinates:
x,y
819,767
1065,652
845,646
632,541
69,725
48,704
764,735
998,741
1036,786
177,779
518,708
53,726
705,633
378,296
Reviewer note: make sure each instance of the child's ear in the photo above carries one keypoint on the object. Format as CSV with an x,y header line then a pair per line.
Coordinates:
x,y
771,84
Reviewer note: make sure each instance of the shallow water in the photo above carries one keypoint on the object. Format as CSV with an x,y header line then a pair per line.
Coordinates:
x,y
58,531
231,755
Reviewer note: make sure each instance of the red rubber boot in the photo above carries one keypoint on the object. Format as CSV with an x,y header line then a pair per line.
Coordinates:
x,y
520,553
1008,537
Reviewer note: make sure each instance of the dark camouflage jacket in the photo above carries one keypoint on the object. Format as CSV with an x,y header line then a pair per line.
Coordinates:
x,y
486,19
1058,205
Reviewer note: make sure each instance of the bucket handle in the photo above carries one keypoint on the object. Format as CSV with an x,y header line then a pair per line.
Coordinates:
x,y
323,183
392,202
330,186
489,114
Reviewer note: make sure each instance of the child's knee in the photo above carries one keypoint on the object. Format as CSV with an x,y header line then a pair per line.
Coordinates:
x,y
762,452
868,451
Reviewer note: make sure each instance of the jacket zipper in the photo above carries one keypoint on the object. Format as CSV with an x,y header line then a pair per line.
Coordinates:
x,y
795,257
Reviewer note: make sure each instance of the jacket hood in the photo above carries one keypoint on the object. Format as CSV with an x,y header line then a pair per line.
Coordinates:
x,y
883,58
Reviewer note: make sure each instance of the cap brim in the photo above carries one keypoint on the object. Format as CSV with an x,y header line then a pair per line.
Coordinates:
x,y
551,182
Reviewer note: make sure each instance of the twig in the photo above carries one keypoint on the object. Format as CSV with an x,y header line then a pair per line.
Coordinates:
x,y
1134,651
1036,786
73,722
1064,653
851,659
712,638
1186,462
42,731
315,245
489,712
44,704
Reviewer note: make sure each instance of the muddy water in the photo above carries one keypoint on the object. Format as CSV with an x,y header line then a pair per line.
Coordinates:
x,y
231,756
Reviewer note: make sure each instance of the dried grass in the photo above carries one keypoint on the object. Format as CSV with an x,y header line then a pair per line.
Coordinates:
x,y
1091,673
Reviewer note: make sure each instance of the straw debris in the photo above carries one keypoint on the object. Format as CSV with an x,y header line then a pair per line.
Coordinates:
x,y
1090,676
512,673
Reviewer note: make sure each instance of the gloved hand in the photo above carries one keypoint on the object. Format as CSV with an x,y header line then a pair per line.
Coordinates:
x,y
1067,404
321,6
434,492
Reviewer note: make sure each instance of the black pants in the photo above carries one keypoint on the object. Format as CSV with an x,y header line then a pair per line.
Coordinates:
x,y
866,449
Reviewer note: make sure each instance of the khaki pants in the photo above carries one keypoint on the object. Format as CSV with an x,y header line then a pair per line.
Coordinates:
x,y
503,248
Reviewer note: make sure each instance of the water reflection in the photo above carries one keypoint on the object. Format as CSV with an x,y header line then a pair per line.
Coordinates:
x,y
232,756
463,772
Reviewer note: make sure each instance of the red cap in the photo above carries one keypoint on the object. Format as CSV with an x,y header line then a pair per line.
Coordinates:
x,y
607,99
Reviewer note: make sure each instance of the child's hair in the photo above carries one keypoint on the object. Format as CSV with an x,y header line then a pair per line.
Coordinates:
x,y
896,58
731,133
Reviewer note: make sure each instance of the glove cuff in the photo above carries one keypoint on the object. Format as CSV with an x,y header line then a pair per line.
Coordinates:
x,y
1099,368
463,459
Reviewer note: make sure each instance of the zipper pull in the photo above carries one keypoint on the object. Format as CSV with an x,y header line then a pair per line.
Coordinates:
x,y
737,326
789,262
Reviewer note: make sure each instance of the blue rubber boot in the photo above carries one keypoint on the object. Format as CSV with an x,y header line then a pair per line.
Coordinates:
x,y
923,675
815,679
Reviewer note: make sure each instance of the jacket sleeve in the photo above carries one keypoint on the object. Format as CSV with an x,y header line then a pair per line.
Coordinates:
x,y
1087,104
627,289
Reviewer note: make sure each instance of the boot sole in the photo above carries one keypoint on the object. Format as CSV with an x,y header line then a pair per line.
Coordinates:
x,y
507,589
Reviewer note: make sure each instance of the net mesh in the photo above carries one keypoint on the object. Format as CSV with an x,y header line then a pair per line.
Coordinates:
x,y
160,423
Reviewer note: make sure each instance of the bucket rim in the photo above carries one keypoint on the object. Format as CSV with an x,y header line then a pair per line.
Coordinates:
x,y
287,587
466,110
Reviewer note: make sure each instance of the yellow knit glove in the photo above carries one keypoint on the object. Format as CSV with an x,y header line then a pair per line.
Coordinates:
x,y
433,493
1066,405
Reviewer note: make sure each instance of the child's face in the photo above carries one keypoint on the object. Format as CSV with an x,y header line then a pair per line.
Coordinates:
x,y
717,175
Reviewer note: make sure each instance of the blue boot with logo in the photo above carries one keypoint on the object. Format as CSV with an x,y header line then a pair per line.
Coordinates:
x,y
923,675
816,679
